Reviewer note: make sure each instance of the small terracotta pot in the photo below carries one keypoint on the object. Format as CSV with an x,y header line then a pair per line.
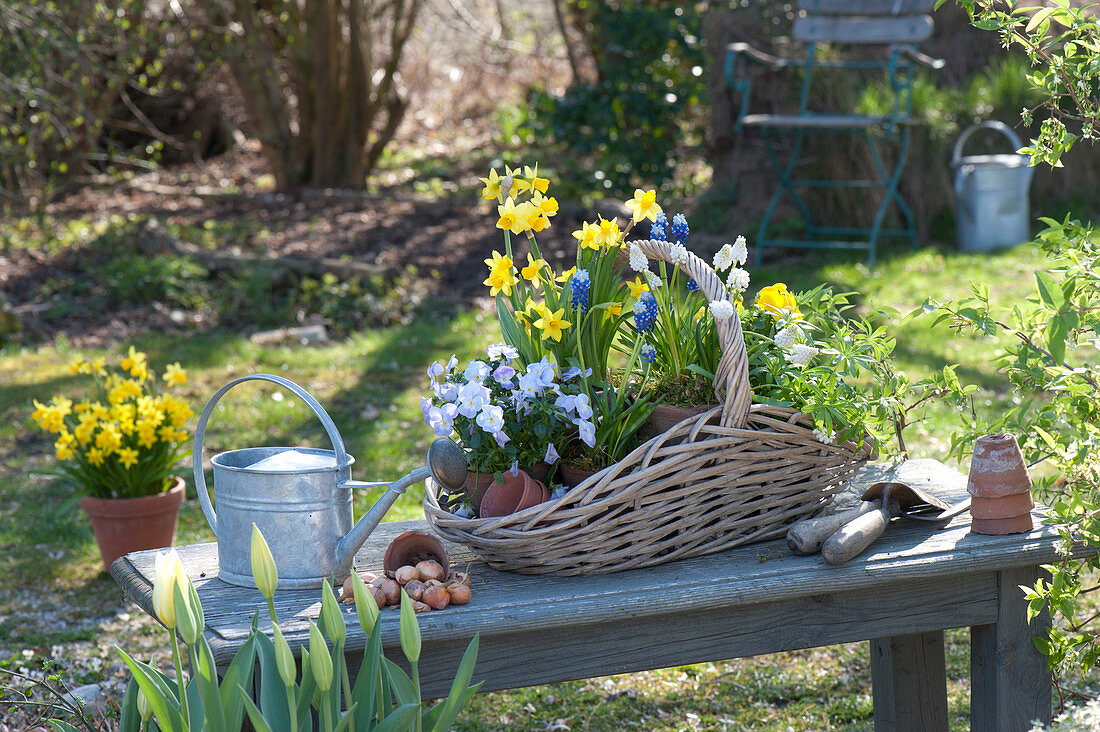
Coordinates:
x,y
124,525
516,493
412,547
1000,486
475,486
572,476
666,416
997,468
1001,508
538,471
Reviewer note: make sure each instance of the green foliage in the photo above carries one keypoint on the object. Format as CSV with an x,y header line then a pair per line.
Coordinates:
x,y
172,279
622,128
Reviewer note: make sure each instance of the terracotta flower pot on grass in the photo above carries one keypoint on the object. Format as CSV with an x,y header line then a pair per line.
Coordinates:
x,y
124,525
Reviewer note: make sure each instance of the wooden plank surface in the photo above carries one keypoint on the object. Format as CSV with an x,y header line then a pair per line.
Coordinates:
x,y
505,603
868,30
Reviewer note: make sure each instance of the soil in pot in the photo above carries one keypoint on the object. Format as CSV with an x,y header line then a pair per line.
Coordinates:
x,y
124,525
667,416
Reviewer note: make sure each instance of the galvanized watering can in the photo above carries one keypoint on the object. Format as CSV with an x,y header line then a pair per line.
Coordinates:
x,y
991,193
303,508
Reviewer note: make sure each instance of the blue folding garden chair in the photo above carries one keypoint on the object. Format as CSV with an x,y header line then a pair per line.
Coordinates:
x,y
895,25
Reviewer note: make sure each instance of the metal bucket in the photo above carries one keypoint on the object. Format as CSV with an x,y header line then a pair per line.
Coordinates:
x,y
305,515
991,194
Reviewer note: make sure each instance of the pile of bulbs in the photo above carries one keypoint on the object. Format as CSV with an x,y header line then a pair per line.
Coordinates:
x,y
426,584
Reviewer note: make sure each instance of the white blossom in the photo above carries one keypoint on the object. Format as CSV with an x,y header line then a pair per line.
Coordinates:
x,y
738,281
786,337
826,436
800,354
722,309
723,259
678,254
638,261
740,251
653,280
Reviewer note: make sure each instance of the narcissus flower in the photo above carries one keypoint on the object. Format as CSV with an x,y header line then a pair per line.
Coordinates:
x,y
552,324
509,218
637,287
491,190
643,205
533,271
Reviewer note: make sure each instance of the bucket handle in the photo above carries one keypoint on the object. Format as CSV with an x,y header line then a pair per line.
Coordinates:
x,y
992,124
200,434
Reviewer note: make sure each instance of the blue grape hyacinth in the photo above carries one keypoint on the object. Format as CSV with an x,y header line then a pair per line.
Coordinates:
x,y
581,286
658,229
679,230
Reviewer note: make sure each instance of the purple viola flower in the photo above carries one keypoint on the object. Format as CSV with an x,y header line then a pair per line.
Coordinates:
x,y
434,372
498,351
504,374
514,470
425,405
552,455
491,418
477,371
471,398
587,431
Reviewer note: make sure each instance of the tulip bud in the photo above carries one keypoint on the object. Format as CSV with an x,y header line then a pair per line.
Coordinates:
x,y
264,571
143,706
284,658
319,659
331,617
187,625
365,606
167,569
409,630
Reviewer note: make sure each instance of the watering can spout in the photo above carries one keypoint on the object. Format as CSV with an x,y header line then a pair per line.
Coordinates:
x,y
446,464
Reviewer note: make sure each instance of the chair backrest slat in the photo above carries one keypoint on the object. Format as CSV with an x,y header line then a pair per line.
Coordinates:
x,y
880,30
867,7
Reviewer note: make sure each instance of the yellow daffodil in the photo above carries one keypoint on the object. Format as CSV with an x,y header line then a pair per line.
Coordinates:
x,y
614,310
96,456
127,457
173,374
491,190
643,205
777,301
501,280
564,276
134,363
147,433
530,217
588,236
64,446
637,287
552,324
609,234
85,429
537,184
547,205
508,220
519,184
533,271
109,438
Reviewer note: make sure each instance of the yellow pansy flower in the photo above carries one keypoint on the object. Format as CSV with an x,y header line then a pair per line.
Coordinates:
x,y
643,205
533,271
637,287
552,324
173,374
492,186
778,301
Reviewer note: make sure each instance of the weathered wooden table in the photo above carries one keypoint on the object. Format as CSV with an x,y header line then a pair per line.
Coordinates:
x,y
900,594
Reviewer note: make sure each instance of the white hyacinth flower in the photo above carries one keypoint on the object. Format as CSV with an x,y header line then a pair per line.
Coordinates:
x,y
827,437
638,261
740,251
800,354
738,281
678,254
722,309
723,259
786,337
653,280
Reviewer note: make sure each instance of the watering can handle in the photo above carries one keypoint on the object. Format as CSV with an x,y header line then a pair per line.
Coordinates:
x,y
200,434
992,124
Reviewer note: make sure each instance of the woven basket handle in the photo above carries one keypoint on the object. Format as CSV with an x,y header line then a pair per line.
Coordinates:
x,y
731,380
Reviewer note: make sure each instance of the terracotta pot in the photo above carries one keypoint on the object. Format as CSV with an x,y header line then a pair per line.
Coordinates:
x,y
997,468
666,416
1000,486
1001,508
412,547
538,471
516,493
572,476
124,525
475,487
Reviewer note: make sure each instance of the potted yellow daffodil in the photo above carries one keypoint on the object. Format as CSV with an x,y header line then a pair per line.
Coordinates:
x,y
119,449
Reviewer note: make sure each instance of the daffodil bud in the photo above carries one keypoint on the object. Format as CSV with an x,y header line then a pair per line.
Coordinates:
x,y
409,630
144,708
331,616
264,571
284,659
167,570
319,659
365,606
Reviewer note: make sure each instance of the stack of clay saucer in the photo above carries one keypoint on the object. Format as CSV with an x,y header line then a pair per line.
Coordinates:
x,y
1000,486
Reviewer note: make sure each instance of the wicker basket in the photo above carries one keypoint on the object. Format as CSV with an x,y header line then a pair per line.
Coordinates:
x,y
730,476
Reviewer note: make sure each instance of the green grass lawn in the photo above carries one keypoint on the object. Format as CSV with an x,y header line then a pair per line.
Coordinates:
x,y
371,384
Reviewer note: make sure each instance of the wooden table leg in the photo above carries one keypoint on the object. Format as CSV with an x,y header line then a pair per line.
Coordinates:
x,y
1009,681
909,679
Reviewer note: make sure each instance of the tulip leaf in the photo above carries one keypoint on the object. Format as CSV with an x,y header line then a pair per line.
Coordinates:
x,y
273,698
162,699
239,673
401,718
403,688
254,714
205,675
461,681
129,719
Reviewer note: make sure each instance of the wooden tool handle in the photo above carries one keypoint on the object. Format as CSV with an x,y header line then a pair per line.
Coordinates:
x,y
855,536
807,536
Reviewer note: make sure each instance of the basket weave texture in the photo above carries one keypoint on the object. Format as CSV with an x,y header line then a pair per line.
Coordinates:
x,y
736,474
